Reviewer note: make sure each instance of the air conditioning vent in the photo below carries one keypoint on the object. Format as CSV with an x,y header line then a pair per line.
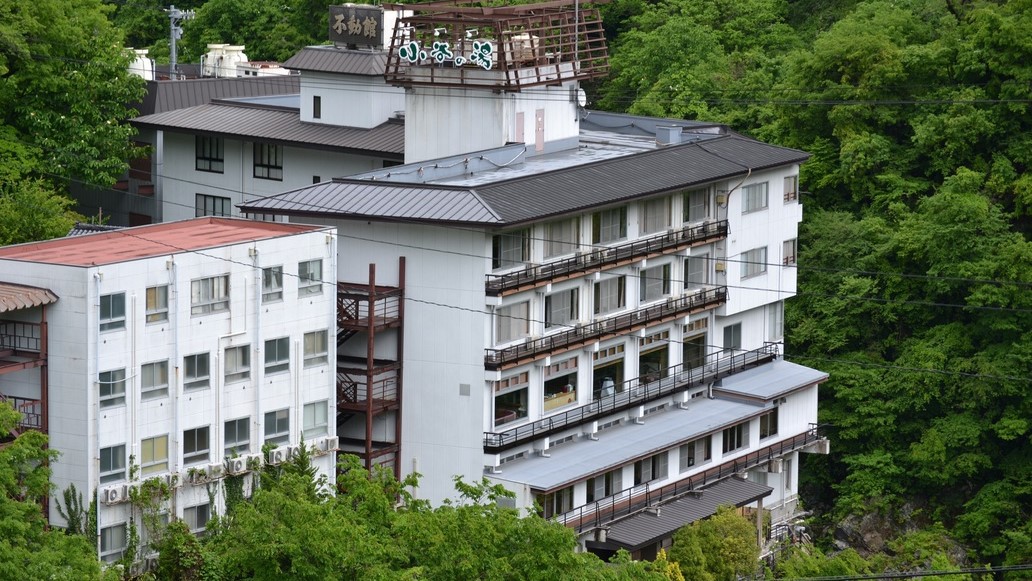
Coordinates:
x,y
115,494
236,465
277,456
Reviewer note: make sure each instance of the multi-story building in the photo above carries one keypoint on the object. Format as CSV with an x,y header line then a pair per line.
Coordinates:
x,y
587,308
172,351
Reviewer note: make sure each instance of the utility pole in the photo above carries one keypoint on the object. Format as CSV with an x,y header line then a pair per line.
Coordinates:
x,y
175,16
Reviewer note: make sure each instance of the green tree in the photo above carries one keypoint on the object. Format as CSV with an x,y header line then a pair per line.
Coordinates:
x,y
722,547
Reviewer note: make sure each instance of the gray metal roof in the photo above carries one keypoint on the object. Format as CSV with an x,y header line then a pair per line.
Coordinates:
x,y
770,381
330,59
167,95
277,125
565,189
82,228
645,528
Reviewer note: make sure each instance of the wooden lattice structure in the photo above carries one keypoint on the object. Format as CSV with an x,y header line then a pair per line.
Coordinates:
x,y
505,48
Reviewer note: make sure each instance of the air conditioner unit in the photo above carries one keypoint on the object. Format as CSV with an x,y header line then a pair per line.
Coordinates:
x,y
277,456
329,444
150,563
214,470
236,465
775,466
720,267
115,494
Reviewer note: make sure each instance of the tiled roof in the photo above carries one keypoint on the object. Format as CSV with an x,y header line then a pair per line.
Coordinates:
x,y
277,125
81,228
14,297
533,197
161,239
330,59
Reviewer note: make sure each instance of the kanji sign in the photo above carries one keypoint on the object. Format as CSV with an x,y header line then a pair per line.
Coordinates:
x,y
359,24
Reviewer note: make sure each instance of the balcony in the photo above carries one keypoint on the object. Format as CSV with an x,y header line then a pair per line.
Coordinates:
x,y
629,394
534,349
31,411
359,388
637,499
360,307
609,257
21,346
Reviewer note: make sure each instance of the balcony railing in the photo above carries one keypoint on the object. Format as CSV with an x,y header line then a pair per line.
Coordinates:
x,y
17,336
587,333
637,498
632,393
31,412
355,305
536,275
354,389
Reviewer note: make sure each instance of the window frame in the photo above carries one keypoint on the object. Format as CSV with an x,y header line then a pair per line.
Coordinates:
x,y
197,445
156,304
562,237
109,379
279,349
769,424
691,205
653,212
194,380
190,517
110,554
240,370
267,161
272,284
511,322
732,337
755,197
646,283
210,205
602,224
154,390
307,284
607,484
791,191
236,446
111,320
315,347
789,251
204,299
209,154
754,262
157,464
279,435
571,308
506,245
696,278
316,106
112,473
658,468
620,283
736,435
688,461
320,426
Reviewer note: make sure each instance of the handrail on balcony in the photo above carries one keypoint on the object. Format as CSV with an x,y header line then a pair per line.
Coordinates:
x,y
601,257
636,499
20,336
631,393
583,334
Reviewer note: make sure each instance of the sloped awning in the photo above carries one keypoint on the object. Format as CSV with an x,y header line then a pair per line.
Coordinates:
x,y
650,527
14,297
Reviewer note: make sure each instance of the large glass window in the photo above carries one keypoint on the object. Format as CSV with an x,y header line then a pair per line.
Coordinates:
x,y
196,445
208,205
788,251
561,237
154,455
754,197
791,188
735,438
558,502
651,468
560,384
268,161
112,543
238,437
510,401
277,355
112,312
112,388
309,274
197,517
112,464
315,420
754,262
654,283
610,295
195,371
608,372
769,424
776,322
510,249
238,363
733,337
561,308
157,303
653,364
209,154
316,350
272,284
277,427
693,351
696,272
512,322
655,215
696,205
209,295
695,452
605,485
609,225
154,380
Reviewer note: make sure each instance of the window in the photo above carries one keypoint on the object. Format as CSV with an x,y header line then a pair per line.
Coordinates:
x,y
277,355
733,337
112,464
695,452
195,371
735,438
560,384
209,153
195,445
154,455
651,468
205,205
277,427
315,422
791,188
754,262
788,251
272,284
610,295
268,161
154,380
238,363
512,322
696,205
769,424
151,531
238,437
609,225
655,283
510,249
157,304
511,406
112,312
605,485
561,237
112,388
754,197
655,215
776,325
561,308
197,517
309,277
315,348
696,271
112,543
558,502
316,107
209,295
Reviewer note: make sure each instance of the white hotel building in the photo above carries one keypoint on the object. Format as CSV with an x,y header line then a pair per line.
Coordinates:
x,y
181,348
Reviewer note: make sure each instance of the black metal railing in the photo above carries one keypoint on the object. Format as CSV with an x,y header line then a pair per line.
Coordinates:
x,y
636,499
590,332
602,257
631,393
20,336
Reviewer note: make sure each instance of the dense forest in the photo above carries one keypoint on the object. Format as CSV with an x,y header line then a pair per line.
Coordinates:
x,y
915,270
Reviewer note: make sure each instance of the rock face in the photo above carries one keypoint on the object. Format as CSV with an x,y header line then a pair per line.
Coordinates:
x,y
868,534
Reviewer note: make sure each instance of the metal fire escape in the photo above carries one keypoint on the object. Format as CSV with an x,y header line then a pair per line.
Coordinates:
x,y
369,382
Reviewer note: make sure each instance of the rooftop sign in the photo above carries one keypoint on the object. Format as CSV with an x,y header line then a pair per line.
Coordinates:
x,y
356,24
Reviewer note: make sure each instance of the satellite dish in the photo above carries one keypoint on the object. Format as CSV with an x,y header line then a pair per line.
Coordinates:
x,y
582,97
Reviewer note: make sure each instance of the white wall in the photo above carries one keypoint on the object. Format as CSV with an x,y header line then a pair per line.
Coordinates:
x,y
350,100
